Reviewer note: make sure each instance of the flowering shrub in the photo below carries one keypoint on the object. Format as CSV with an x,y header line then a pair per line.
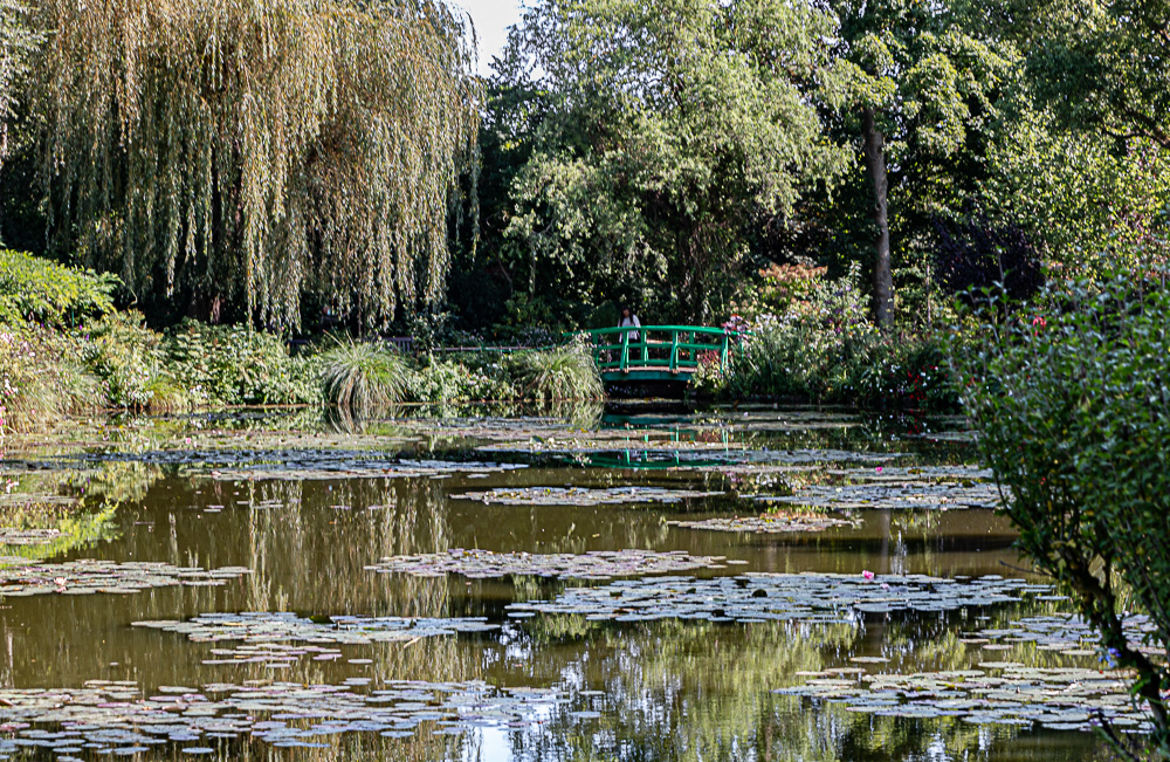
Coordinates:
x,y
40,379
814,350
824,348
777,288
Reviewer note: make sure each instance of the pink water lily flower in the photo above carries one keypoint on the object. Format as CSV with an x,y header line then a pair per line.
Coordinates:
x,y
868,575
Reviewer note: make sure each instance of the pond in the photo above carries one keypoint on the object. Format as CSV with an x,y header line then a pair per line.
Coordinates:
x,y
731,584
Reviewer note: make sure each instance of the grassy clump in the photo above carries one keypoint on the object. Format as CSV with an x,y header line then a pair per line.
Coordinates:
x,y
560,373
363,378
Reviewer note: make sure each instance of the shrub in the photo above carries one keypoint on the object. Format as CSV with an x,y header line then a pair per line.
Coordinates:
x,y
824,348
561,373
362,378
816,350
456,382
1072,405
127,358
235,365
40,379
776,289
907,374
32,288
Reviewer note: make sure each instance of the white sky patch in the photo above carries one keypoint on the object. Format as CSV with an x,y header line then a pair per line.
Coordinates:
x,y
492,19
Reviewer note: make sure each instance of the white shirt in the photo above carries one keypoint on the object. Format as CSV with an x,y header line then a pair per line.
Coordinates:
x,y
632,320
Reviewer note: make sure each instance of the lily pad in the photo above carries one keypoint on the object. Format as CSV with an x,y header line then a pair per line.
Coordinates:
x,y
769,523
87,576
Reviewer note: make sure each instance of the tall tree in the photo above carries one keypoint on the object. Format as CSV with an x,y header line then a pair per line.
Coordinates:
x,y
659,135
919,82
17,43
239,154
1102,64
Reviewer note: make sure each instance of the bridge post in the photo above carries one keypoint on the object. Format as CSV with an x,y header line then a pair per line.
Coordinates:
x,y
674,351
625,364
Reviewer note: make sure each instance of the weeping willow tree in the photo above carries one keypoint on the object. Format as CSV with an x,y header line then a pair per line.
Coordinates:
x,y
236,155
17,42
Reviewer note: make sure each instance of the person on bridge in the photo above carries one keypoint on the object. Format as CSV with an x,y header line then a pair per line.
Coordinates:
x,y
630,319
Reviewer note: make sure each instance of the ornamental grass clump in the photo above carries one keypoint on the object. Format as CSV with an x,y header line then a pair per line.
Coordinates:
x,y
1071,402
561,373
362,378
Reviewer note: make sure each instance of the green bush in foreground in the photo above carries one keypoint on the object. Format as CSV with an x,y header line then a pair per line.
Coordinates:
x,y
1072,405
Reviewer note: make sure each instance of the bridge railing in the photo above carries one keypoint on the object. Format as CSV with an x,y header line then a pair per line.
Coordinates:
x,y
672,348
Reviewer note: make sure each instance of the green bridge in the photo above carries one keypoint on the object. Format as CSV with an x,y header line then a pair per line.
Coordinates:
x,y
659,353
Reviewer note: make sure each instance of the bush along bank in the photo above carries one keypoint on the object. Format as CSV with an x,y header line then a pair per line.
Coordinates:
x,y
65,349
1070,398
809,339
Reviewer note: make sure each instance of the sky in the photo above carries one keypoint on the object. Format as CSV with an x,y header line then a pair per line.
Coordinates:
x,y
492,19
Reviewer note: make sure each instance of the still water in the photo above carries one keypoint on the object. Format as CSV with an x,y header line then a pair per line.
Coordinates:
x,y
308,506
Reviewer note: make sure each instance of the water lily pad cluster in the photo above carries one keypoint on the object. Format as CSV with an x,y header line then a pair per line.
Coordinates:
x,y
769,523
805,456
908,495
113,717
283,626
1006,693
759,597
294,464
87,576
28,535
597,564
1062,633
960,473
582,496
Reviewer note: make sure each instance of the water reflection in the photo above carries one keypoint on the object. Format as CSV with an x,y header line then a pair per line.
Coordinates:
x,y
670,690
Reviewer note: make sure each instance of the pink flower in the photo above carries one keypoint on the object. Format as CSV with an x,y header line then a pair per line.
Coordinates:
x,y
1040,321
868,575
879,469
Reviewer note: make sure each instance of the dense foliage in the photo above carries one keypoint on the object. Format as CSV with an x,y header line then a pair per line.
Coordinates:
x,y
810,339
1072,404
649,139
63,356
35,289
232,157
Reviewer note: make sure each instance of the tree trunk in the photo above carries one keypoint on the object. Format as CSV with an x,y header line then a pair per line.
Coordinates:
x,y
875,163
